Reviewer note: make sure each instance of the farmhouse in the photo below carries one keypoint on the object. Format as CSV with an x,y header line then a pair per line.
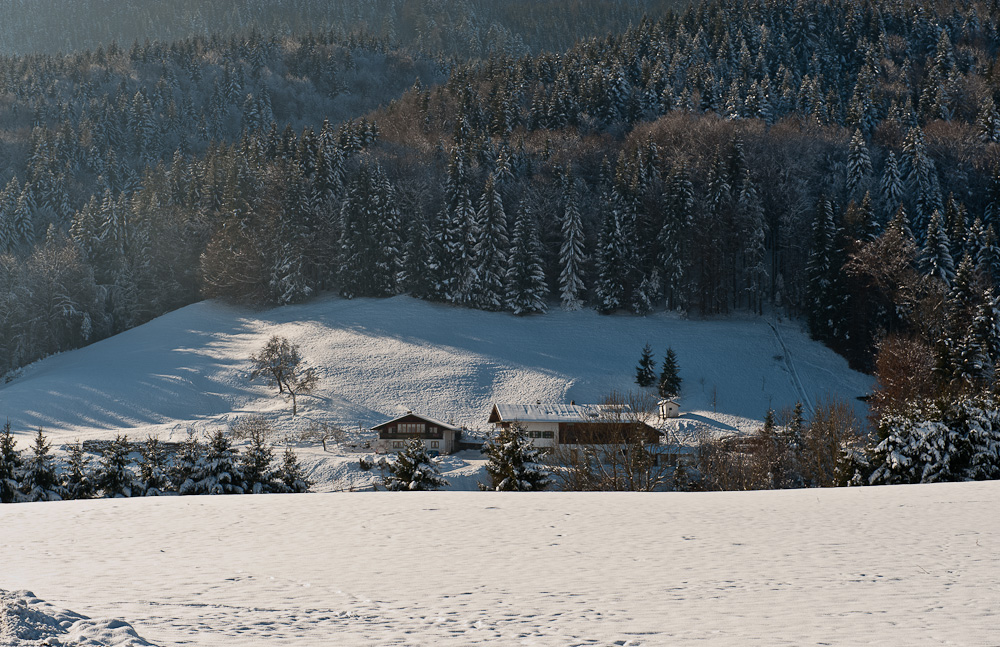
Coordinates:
x,y
437,436
552,425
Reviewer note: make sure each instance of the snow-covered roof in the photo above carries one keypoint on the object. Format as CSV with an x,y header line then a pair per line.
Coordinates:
x,y
549,412
428,419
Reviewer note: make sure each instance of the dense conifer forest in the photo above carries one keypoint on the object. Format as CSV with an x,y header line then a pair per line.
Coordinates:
x,y
835,161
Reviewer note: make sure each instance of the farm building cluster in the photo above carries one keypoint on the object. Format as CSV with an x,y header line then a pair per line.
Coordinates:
x,y
549,426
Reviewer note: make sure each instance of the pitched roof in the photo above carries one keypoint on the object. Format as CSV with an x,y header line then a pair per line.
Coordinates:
x,y
409,414
549,412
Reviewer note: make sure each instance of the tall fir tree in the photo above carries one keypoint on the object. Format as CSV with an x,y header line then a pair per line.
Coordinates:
x,y
526,286
935,258
10,467
669,385
571,248
491,250
39,481
645,372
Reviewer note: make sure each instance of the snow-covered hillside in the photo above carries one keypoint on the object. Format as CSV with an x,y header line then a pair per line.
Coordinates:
x,y
379,358
907,565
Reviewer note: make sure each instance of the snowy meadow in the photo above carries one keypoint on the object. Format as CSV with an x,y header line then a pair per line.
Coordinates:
x,y
907,565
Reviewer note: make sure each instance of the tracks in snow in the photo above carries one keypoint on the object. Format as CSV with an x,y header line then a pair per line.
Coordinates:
x,y
787,357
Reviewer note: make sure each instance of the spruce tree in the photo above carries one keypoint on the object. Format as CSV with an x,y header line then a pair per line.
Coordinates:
x,y
571,249
513,463
10,467
645,372
669,385
114,478
255,464
78,479
153,477
39,481
412,469
612,257
491,250
290,477
526,287
185,465
218,471
859,164
936,257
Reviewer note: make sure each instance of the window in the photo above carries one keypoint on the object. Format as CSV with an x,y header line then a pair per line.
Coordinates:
x,y
548,434
434,444
411,428
534,434
397,444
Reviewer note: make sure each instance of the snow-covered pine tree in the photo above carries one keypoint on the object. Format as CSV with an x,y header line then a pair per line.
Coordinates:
x,y
955,220
290,477
754,242
359,250
449,264
935,257
988,122
669,385
218,472
114,478
571,249
154,479
679,204
416,256
255,463
412,469
185,465
859,165
826,298
10,467
78,477
513,463
612,256
491,249
526,286
891,186
645,372
39,481
938,441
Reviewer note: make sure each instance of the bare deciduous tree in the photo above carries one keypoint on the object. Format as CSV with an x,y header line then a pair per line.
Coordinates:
x,y
280,364
321,432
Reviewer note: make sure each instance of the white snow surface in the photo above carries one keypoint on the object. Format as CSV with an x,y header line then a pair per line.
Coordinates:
x,y
904,565
26,620
378,358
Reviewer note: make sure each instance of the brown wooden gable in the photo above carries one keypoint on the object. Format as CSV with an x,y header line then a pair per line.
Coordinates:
x,y
412,426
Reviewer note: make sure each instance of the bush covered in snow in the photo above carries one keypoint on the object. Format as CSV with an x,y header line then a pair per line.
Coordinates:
x,y
938,441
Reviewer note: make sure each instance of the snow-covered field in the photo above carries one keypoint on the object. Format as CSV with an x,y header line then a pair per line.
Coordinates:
x,y
379,358
908,565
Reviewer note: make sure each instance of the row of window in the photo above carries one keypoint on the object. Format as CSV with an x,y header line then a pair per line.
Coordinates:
x,y
434,444
541,434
